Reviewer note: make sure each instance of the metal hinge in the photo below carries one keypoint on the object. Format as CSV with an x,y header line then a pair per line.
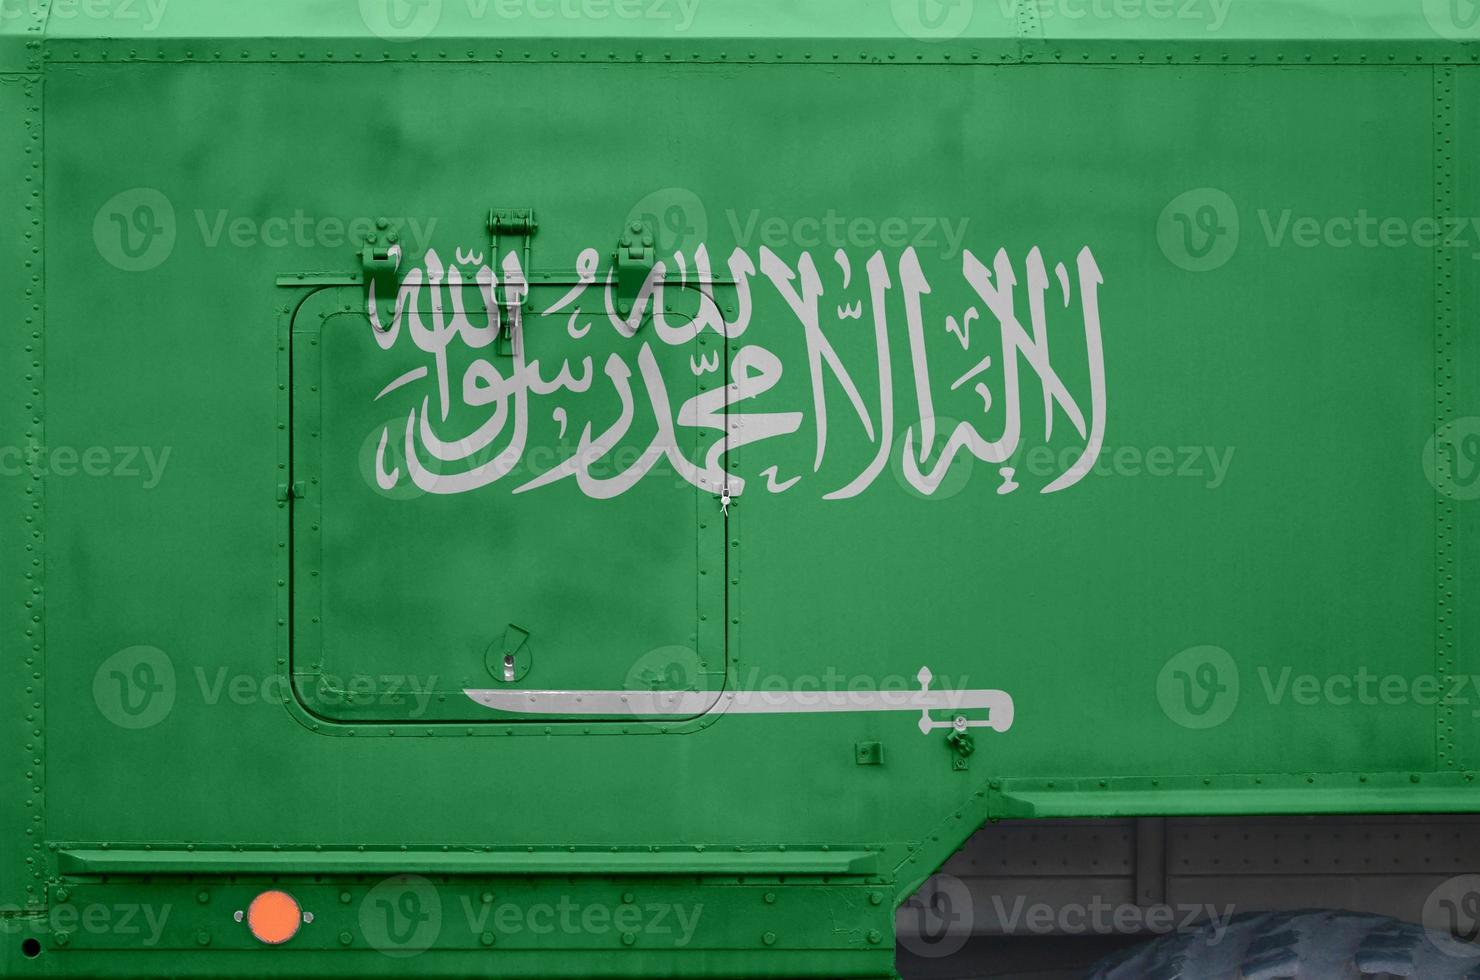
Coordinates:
x,y
380,263
634,261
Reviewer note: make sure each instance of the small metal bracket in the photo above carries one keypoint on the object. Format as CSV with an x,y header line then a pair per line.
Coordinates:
x,y
379,263
634,261
291,491
869,753
960,742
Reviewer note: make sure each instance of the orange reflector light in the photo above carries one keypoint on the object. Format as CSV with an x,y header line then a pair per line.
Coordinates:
x,y
274,917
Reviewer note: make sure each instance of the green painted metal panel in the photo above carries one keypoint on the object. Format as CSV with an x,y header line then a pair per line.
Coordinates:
x,y
1075,427
22,875
888,20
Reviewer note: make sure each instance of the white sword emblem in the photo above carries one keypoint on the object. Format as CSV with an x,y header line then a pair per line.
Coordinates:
x,y
689,704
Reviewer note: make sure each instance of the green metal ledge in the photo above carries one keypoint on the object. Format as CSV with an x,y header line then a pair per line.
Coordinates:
x,y
119,861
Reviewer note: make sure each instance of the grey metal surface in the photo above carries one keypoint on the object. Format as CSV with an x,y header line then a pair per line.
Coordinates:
x,y
1046,899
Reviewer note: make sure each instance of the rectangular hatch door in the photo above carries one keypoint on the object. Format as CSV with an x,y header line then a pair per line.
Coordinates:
x,y
501,506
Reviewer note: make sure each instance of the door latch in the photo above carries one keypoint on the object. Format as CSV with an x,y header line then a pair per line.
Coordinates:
x,y
505,223
379,263
634,261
